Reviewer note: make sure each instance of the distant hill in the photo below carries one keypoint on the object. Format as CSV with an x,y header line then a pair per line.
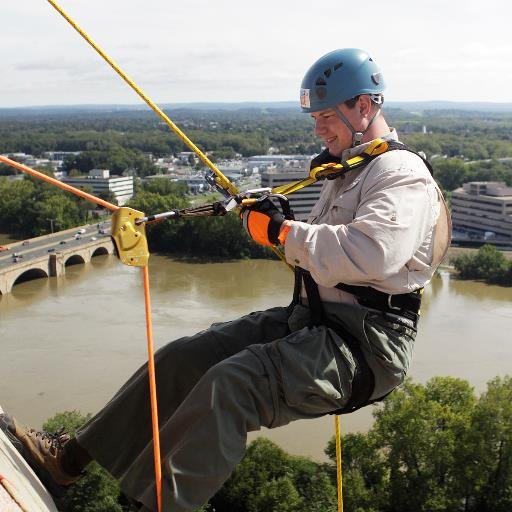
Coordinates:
x,y
409,106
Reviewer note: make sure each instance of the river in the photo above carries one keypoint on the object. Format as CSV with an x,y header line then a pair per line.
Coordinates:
x,y
68,343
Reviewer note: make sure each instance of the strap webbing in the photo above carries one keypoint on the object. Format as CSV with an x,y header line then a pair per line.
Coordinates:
x,y
333,169
326,166
364,379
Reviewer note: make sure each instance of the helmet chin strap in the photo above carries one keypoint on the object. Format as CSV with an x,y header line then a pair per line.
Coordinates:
x,y
357,137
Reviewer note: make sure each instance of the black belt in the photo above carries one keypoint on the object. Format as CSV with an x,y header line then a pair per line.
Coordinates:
x,y
402,304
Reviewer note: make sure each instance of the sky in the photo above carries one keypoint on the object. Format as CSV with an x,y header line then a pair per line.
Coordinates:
x,y
235,50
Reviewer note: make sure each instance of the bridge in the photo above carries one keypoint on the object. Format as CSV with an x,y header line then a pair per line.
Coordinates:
x,y
49,255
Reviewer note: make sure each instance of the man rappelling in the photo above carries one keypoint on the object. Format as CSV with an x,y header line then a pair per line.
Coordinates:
x,y
370,245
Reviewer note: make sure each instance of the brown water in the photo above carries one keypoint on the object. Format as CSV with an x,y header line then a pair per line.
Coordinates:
x,y
68,343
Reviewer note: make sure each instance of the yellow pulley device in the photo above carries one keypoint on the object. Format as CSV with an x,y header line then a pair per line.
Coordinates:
x,y
129,237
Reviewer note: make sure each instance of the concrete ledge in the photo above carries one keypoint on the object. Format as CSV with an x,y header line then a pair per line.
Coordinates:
x,y
20,489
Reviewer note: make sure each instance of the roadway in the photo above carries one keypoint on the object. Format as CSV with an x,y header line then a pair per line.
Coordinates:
x,y
37,247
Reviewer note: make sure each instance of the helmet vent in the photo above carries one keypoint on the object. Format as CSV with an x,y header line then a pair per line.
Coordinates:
x,y
338,66
327,72
377,78
321,93
320,81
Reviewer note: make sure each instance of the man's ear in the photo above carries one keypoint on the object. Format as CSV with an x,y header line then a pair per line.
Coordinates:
x,y
365,105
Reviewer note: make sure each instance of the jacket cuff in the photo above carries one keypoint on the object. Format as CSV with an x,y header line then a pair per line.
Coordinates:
x,y
295,247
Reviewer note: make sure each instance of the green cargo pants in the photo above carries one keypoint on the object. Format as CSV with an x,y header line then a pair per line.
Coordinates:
x,y
265,369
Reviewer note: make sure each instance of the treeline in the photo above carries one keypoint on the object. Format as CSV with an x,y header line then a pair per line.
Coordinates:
x,y
451,173
28,206
126,137
433,447
487,264
220,133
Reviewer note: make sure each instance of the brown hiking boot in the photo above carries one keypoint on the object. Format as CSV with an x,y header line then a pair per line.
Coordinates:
x,y
44,451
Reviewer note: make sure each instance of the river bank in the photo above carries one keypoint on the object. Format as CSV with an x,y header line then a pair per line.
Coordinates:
x,y
457,251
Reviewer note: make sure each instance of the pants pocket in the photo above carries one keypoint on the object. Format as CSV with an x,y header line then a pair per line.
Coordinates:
x,y
314,370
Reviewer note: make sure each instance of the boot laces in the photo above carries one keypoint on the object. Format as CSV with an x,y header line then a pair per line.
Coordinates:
x,y
52,441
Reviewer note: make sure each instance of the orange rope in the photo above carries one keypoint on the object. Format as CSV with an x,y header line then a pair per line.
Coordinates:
x,y
57,183
152,390
149,325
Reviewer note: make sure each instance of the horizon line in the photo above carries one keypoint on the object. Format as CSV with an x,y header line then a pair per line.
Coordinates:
x,y
243,102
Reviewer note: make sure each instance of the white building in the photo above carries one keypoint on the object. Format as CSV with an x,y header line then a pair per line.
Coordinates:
x,y
99,181
483,206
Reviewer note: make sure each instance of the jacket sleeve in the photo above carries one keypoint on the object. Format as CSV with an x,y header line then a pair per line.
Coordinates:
x,y
394,211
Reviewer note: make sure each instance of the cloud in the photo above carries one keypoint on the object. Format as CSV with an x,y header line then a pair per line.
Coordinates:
x,y
232,50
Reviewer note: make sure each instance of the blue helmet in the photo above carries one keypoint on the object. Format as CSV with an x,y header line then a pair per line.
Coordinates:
x,y
337,77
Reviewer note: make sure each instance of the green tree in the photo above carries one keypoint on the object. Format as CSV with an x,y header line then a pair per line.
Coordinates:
x,y
450,173
487,448
365,472
269,479
16,196
58,206
488,264
419,428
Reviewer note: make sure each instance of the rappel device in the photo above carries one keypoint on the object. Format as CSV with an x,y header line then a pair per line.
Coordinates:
x,y
219,208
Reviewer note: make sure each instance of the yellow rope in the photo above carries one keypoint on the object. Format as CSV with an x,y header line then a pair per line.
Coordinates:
x,y
222,180
339,475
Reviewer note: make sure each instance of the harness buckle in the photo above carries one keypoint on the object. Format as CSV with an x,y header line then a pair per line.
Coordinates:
x,y
390,305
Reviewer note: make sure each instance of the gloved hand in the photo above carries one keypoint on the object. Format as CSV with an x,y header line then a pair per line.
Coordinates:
x,y
263,221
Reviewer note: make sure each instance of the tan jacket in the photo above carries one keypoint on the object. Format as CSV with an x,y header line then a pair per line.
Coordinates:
x,y
385,226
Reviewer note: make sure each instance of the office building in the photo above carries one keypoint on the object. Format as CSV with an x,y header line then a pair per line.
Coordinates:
x,y
99,181
483,207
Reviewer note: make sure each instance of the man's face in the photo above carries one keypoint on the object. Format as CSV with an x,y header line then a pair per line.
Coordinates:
x,y
333,131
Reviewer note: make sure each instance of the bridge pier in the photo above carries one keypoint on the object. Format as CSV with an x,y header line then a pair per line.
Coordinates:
x,y
3,284
56,265
52,265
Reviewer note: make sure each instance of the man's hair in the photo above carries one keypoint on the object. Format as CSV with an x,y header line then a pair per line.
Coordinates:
x,y
351,103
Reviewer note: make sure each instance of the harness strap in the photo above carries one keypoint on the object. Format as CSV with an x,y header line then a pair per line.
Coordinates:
x,y
363,382
326,166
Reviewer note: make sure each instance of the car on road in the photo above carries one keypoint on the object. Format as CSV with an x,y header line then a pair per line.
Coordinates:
x,y
25,242
81,231
62,242
16,259
93,238
51,249
2,248
101,231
